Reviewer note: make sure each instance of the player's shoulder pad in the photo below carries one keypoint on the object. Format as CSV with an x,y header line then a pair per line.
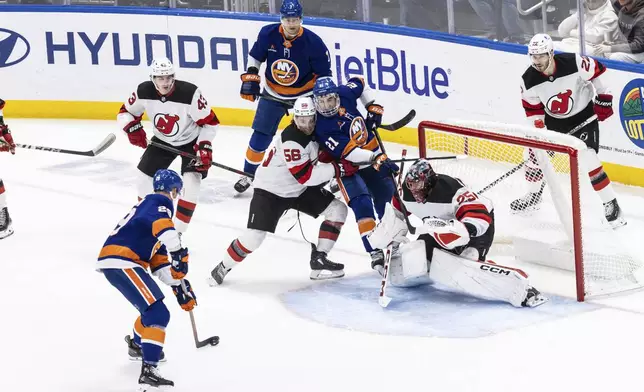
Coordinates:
x,y
531,77
445,189
268,29
160,203
566,64
147,90
183,92
312,37
292,134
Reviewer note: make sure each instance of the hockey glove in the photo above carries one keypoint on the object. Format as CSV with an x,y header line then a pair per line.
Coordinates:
x,y
179,263
325,157
204,151
374,116
187,300
381,161
250,84
6,140
136,134
539,124
344,168
603,106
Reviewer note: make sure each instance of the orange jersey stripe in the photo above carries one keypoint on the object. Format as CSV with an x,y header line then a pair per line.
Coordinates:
x,y
138,327
119,252
160,225
140,285
158,260
290,91
253,156
153,335
365,225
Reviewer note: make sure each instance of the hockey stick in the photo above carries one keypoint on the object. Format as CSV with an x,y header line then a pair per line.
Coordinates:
x,y
211,341
108,141
403,159
402,170
520,165
411,227
193,156
383,299
400,123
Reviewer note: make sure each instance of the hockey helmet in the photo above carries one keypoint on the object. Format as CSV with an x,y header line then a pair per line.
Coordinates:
x,y
165,180
539,45
291,9
304,114
421,179
160,68
325,96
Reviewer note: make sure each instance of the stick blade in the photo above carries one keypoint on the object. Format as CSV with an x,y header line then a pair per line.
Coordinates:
x,y
400,123
108,141
384,301
212,341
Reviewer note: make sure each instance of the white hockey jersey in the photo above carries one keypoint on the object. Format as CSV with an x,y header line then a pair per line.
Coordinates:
x,y
178,118
451,199
569,91
291,166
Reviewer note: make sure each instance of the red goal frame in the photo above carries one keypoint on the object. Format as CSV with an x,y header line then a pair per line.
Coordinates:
x,y
573,156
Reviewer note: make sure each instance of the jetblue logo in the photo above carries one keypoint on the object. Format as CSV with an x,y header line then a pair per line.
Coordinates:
x,y
13,48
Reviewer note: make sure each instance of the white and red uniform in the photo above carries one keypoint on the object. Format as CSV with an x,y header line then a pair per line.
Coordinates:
x,y
564,99
451,199
180,117
291,165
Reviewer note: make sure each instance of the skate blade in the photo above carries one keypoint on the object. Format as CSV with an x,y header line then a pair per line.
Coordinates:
x,y
537,300
6,233
617,223
384,301
326,274
150,388
212,282
138,359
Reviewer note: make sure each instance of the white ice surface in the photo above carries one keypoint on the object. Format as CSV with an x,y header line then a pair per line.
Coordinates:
x,y
62,324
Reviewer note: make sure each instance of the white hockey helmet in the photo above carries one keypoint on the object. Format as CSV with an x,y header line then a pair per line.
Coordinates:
x,y
304,114
540,44
161,66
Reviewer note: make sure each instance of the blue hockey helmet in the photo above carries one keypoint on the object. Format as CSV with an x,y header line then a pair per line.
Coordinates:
x,y
325,96
291,9
165,180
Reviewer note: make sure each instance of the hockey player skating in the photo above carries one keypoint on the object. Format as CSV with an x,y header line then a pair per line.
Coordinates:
x,y
560,92
289,178
456,235
181,118
344,133
294,57
142,240
6,145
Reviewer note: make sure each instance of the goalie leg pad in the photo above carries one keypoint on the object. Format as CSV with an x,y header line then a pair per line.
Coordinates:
x,y
482,280
392,228
409,267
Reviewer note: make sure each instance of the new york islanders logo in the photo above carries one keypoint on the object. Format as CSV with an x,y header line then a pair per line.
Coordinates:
x,y
561,104
631,111
167,124
358,131
285,72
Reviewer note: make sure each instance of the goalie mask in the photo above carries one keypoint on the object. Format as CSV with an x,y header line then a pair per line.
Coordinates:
x,y
421,179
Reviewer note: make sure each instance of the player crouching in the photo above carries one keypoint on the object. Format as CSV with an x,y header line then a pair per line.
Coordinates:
x,y
457,232
142,240
290,179
6,144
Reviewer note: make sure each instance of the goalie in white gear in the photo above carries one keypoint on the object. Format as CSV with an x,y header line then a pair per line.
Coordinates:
x,y
451,249
291,178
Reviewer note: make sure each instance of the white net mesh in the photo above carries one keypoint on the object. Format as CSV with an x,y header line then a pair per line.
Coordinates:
x,y
533,202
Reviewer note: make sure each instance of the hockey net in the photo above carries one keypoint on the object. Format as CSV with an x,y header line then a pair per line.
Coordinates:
x,y
567,229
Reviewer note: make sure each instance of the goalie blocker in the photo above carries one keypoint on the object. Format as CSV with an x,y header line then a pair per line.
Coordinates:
x,y
457,232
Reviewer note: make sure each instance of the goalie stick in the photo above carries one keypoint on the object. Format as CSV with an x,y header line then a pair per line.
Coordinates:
x,y
383,298
193,156
108,141
403,159
211,341
520,165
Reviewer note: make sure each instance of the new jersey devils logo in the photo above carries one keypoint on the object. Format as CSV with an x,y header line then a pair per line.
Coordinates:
x,y
561,104
167,124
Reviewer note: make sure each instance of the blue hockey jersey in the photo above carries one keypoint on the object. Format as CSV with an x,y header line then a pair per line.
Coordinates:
x,y
135,240
292,66
347,130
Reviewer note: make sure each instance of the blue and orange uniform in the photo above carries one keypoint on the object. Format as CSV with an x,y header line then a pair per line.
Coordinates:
x,y
346,135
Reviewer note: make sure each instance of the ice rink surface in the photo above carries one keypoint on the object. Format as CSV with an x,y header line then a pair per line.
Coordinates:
x,y
63,323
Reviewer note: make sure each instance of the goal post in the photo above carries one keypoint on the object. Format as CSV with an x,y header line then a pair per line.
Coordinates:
x,y
567,229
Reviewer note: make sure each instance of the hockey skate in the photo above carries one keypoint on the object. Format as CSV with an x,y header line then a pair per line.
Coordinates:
x,y
534,298
5,223
134,350
613,214
323,268
378,261
218,274
528,203
334,187
243,184
150,379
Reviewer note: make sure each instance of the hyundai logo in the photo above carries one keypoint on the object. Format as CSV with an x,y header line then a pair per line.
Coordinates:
x,y
13,48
